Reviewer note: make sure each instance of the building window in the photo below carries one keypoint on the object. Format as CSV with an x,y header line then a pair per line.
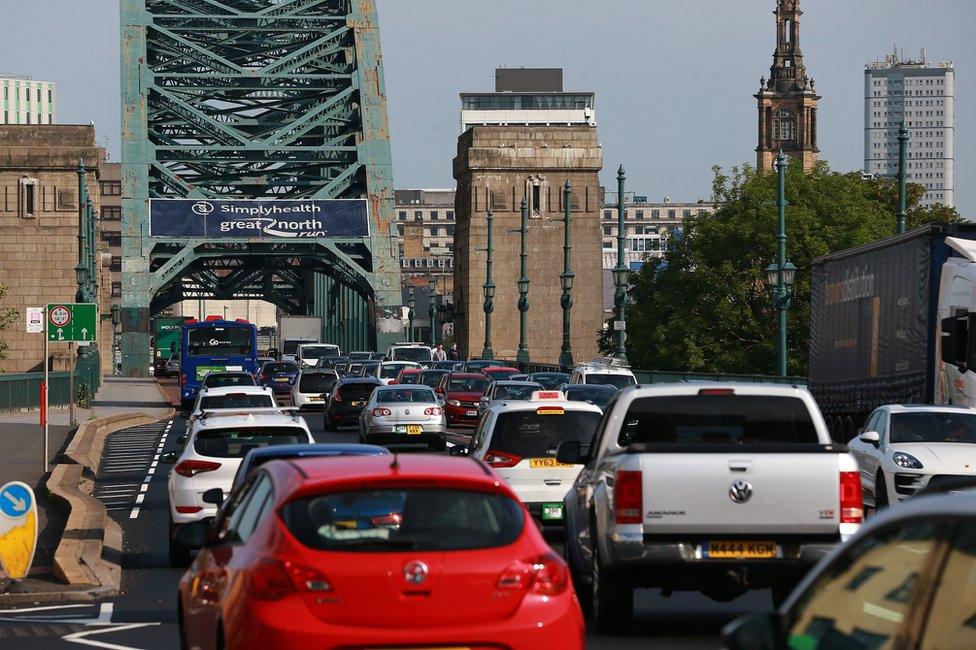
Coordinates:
x,y
671,214
434,216
686,213
449,215
418,215
640,215
110,188
116,289
116,264
50,96
28,206
786,125
655,214
608,215
403,215
607,232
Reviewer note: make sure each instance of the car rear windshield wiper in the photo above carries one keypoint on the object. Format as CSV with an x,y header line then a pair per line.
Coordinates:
x,y
399,542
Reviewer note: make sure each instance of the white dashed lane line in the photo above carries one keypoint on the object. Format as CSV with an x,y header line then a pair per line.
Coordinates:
x,y
130,459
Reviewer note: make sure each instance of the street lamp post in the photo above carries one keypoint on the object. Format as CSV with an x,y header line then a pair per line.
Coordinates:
x,y
489,290
780,276
432,308
621,272
523,285
903,138
410,312
566,278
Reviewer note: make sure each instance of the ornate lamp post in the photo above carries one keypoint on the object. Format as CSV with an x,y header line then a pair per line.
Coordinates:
x,y
781,276
566,278
432,308
523,285
489,289
622,271
903,138
410,312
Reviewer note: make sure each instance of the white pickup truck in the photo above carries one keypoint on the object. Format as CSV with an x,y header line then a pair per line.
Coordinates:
x,y
717,488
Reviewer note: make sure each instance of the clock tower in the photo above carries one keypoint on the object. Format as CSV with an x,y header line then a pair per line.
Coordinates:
x,y
787,101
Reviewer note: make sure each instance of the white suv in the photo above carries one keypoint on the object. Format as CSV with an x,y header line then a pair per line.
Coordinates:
x,y
607,372
242,398
217,442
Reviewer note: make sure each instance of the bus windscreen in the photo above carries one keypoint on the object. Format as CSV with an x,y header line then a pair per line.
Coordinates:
x,y
219,341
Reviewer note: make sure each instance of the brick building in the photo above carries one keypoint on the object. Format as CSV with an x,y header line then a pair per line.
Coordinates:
x,y
39,232
110,221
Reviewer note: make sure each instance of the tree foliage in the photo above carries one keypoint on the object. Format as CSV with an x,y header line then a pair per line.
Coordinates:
x,y
705,305
7,316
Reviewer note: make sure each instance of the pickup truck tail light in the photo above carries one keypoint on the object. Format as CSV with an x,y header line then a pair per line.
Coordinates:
x,y
628,498
191,468
851,498
501,459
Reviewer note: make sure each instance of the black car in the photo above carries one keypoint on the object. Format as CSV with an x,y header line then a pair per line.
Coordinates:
x,y
596,394
549,380
347,401
331,363
478,365
279,376
370,369
446,365
431,377
360,356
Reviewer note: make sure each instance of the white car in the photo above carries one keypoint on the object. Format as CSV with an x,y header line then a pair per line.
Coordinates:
x,y
212,452
390,370
903,449
605,371
242,398
519,440
403,414
312,388
309,353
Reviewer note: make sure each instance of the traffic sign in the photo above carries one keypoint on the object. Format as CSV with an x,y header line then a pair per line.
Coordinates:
x,y
35,320
72,322
18,529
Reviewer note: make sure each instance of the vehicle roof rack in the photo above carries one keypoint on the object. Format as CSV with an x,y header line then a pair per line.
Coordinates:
x,y
231,412
607,362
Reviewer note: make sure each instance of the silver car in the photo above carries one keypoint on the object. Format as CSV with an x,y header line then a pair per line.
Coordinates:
x,y
403,414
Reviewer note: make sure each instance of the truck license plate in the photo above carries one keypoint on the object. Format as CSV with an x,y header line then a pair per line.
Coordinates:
x,y
552,511
740,550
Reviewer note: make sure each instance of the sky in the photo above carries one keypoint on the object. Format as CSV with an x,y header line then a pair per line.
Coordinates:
x,y
674,78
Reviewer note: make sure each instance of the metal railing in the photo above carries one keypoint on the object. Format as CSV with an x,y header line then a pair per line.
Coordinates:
x,y
666,377
23,390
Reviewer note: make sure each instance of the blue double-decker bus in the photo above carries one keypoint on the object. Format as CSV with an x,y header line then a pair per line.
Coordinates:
x,y
215,345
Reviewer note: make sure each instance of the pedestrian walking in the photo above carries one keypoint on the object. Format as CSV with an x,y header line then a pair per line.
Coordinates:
x,y
453,353
439,353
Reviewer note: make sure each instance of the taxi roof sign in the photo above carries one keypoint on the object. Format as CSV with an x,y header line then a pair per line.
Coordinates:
x,y
547,395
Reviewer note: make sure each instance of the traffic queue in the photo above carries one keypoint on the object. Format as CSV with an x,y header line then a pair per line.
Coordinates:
x,y
712,487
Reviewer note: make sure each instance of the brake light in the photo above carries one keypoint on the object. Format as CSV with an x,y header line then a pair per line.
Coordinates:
x,y
546,575
265,377
433,410
273,580
628,498
191,468
851,498
183,379
501,459
188,510
716,391
394,519
380,412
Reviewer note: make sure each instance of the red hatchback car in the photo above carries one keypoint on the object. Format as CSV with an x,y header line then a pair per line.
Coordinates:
x,y
462,393
377,552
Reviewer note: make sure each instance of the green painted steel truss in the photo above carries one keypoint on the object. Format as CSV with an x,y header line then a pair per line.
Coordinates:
x,y
254,99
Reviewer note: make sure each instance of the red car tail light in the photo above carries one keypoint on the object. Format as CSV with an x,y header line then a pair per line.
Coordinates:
x,y
433,410
392,519
851,498
274,579
545,575
191,468
188,510
501,458
628,498
380,412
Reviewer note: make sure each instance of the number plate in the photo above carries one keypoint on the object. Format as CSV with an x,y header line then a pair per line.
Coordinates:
x,y
357,404
552,511
539,463
740,550
472,414
281,378
414,429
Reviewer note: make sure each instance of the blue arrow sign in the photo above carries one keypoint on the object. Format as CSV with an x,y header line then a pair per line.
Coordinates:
x,y
15,501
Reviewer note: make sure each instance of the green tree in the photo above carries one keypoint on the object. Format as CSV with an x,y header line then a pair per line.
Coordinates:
x,y
705,305
7,316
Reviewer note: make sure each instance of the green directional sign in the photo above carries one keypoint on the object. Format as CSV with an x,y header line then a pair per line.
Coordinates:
x,y
72,322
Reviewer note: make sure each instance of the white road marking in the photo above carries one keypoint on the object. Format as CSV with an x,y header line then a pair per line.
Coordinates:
x,y
145,486
135,513
45,608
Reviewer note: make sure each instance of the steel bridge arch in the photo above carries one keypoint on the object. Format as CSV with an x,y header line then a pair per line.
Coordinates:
x,y
256,99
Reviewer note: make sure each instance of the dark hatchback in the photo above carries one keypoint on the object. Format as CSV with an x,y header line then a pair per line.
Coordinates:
x,y
596,394
549,380
279,376
347,401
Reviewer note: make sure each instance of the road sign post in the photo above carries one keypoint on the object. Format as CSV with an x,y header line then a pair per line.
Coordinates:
x,y
18,529
72,322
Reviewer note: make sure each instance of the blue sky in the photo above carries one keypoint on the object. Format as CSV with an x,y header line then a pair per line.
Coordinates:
x,y
674,78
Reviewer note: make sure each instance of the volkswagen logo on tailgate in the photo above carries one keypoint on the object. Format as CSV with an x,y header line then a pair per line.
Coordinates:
x,y
740,492
415,572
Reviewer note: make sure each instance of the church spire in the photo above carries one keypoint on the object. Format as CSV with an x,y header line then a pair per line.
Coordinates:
x,y
788,71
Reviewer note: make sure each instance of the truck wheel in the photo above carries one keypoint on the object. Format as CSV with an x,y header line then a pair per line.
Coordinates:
x,y
179,555
880,492
612,599
327,424
580,585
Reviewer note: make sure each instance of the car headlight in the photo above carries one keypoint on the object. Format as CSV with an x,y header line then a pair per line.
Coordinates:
x,y
453,402
901,459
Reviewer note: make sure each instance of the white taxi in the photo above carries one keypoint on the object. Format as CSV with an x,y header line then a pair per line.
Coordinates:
x,y
213,450
519,440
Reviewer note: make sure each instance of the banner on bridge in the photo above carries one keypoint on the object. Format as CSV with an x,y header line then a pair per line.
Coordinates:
x,y
255,218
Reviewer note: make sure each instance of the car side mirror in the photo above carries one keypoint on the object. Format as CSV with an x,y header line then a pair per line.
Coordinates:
x,y
761,631
168,458
214,496
458,450
181,440
570,452
871,438
195,534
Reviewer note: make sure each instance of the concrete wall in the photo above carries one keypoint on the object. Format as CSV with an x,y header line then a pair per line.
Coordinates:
x,y
502,162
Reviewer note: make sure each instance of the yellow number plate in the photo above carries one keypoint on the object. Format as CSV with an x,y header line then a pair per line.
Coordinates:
x,y
414,429
546,462
736,550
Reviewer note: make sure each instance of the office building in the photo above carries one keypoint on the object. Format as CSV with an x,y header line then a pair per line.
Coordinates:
x,y
921,95
26,101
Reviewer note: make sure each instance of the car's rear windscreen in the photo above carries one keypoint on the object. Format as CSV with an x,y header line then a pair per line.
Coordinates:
x,y
411,354
236,442
618,381
234,401
740,420
219,381
531,434
432,377
280,367
316,382
411,519
356,392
